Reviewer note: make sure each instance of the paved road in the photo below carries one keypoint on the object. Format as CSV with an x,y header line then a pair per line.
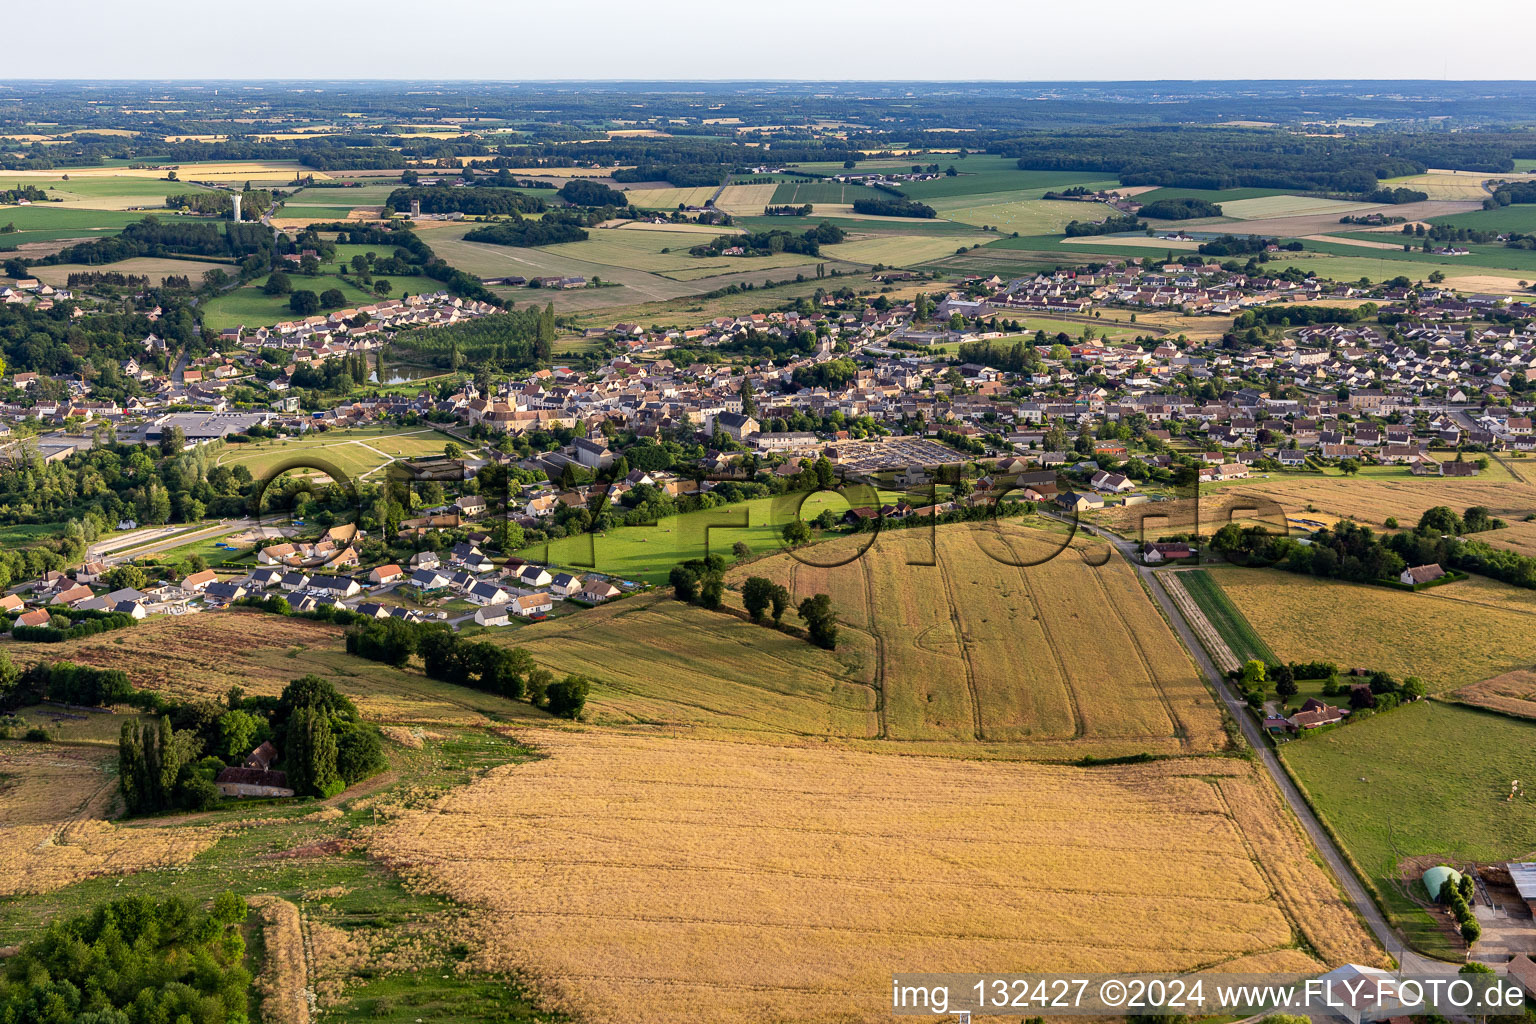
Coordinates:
x,y
177,540
1408,960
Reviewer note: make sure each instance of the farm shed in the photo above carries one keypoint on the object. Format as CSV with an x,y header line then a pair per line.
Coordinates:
x,y
1523,874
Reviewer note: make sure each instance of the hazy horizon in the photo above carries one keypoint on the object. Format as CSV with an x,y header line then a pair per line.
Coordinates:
x,y
793,41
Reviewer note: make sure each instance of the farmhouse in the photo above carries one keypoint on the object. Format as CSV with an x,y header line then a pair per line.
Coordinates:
x,y
223,593
1167,552
1415,575
1315,713
72,595
252,782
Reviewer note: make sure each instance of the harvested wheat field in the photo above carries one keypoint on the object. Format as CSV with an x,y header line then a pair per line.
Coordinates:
x,y
1519,537
53,804
728,882
204,655
656,661
1450,636
1367,499
979,647
1513,693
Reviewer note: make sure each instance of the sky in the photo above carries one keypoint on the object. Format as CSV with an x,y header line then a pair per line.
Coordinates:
x,y
952,40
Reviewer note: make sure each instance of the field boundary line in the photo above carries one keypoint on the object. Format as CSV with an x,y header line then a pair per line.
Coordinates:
x,y
1080,728
869,613
1141,652
965,654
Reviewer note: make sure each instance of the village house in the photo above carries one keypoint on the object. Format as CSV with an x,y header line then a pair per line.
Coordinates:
x,y
386,574
529,605
597,591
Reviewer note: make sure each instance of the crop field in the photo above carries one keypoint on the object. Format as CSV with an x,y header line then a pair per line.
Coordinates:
x,y
1513,693
1235,630
333,203
745,200
669,198
1288,206
203,655
1027,216
250,306
47,222
55,800
101,192
1518,218
1481,258
155,268
356,452
656,661
648,553
1219,196
643,250
900,250
257,171
979,649
1442,184
982,174
1425,780
691,849
1449,636
1369,498
799,193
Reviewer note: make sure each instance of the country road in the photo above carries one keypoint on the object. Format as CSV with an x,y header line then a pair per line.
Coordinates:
x,y
169,541
1408,961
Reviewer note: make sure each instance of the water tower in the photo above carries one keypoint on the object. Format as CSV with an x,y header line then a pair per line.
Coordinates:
x,y
415,209
236,197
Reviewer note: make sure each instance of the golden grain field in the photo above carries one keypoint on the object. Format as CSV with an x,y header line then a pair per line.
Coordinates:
x,y
650,878
1002,643
1450,636
53,804
204,655
1513,693
656,661
1368,500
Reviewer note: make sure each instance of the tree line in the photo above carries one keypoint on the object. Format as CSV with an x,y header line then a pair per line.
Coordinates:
x,y
445,655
